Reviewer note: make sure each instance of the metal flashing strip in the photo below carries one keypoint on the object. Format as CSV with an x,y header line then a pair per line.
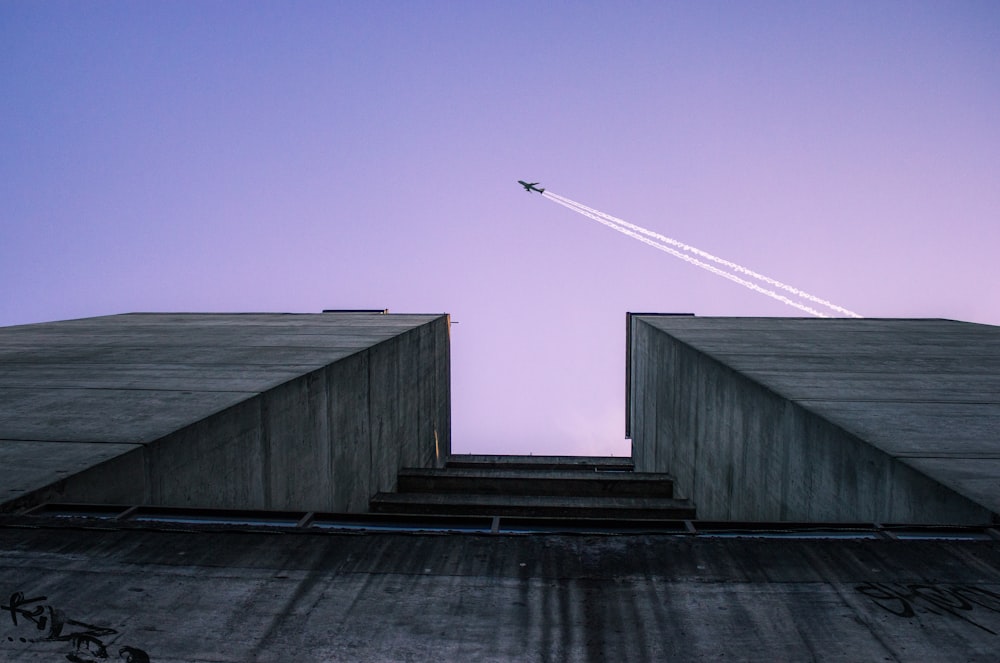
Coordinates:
x,y
375,311
132,516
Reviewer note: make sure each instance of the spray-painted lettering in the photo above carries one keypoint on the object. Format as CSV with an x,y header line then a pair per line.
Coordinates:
x,y
89,642
906,600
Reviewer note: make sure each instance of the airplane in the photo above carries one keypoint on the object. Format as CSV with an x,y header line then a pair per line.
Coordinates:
x,y
530,186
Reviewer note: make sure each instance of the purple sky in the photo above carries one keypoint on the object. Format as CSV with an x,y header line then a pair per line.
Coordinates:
x,y
294,156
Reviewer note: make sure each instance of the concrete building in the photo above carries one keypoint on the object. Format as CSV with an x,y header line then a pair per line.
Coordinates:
x,y
819,420
250,411
280,487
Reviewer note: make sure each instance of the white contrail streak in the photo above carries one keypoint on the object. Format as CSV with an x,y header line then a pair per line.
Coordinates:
x,y
704,254
658,241
694,261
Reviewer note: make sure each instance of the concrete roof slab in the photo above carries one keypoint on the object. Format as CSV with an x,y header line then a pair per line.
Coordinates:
x,y
881,387
906,428
976,478
105,415
856,346
775,362
910,387
139,378
800,326
170,377
40,464
154,353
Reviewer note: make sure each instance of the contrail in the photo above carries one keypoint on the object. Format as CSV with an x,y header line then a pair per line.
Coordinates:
x,y
658,241
704,254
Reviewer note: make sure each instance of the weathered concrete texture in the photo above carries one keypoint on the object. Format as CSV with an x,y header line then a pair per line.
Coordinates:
x,y
28,464
227,410
808,419
488,481
549,506
524,487
195,597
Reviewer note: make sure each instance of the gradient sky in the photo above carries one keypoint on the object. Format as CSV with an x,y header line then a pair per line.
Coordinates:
x,y
296,156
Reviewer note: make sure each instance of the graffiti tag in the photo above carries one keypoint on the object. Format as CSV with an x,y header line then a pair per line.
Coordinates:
x,y
52,625
905,600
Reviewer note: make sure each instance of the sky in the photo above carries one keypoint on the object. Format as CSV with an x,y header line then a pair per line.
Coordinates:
x,y
299,156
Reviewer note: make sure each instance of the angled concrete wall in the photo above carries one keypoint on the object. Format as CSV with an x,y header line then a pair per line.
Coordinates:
x,y
803,420
271,411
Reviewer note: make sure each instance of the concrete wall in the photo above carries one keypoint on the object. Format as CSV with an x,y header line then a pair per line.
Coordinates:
x,y
743,451
326,439
197,596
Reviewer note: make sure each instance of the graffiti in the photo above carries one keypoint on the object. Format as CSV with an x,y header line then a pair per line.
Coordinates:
x,y
89,642
909,599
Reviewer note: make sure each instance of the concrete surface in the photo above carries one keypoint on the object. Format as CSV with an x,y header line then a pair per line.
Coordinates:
x,y
202,596
809,419
535,482
551,487
545,506
227,410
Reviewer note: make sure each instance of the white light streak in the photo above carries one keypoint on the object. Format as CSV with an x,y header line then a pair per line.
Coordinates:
x,y
663,243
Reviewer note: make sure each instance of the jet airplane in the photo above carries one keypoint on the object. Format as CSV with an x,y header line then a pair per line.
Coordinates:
x,y
530,186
